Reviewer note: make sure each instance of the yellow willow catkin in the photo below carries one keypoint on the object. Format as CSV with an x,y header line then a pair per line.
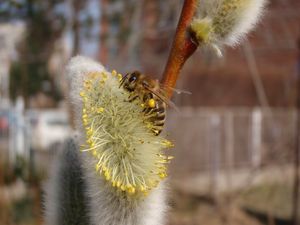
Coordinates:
x,y
118,136
220,22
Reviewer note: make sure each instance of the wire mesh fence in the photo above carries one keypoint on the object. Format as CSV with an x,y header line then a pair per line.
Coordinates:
x,y
213,139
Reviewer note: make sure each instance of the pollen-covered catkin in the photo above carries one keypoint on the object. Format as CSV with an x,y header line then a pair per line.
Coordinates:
x,y
225,22
128,155
124,162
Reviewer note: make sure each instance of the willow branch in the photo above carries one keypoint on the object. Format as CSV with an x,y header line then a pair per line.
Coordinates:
x,y
182,48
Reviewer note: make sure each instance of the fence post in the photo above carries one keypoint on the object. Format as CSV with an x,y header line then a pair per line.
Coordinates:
x,y
214,144
229,144
256,153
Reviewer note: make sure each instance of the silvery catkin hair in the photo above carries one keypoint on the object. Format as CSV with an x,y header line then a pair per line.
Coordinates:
x,y
225,22
65,199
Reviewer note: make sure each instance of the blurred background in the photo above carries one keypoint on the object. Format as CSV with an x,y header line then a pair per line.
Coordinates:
x,y
236,137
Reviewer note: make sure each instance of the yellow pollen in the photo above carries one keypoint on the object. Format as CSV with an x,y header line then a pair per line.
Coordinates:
x,y
151,103
100,110
89,132
97,167
162,175
94,75
114,73
94,153
131,190
118,183
103,74
168,144
85,122
143,188
120,77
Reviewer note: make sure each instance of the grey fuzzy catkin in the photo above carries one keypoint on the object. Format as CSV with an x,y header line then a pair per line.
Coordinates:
x,y
76,70
108,208
75,195
65,199
225,22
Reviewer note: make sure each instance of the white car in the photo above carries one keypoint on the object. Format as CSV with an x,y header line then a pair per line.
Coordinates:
x,y
48,127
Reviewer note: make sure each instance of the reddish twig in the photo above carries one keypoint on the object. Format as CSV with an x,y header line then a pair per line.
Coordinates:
x,y
295,212
183,47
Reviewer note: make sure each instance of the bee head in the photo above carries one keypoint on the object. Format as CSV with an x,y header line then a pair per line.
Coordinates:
x,y
130,80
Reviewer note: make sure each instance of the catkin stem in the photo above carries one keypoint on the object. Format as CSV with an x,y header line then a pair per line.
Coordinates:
x,y
182,48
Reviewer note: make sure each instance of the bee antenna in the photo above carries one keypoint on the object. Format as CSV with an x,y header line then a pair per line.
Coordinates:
x,y
123,79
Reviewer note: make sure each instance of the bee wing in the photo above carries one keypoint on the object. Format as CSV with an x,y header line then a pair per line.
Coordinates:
x,y
161,95
169,102
178,91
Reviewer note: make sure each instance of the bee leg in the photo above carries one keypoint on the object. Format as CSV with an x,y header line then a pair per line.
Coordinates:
x,y
132,98
156,131
148,110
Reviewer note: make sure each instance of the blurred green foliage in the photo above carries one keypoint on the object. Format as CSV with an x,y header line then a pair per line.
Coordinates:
x,y
22,211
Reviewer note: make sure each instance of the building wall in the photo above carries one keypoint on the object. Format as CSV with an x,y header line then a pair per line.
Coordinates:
x,y
228,81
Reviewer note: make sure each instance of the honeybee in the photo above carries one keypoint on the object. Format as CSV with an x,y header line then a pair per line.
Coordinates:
x,y
152,95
